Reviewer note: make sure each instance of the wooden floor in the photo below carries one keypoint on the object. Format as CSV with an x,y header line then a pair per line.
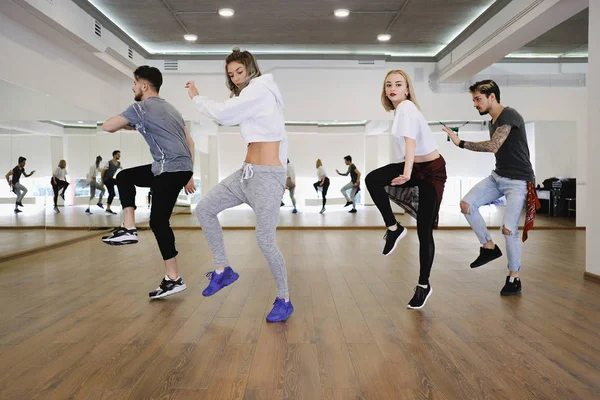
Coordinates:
x,y
75,322
336,216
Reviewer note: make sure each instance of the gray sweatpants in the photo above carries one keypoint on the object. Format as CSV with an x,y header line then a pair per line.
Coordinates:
x,y
261,187
94,185
20,191
292,188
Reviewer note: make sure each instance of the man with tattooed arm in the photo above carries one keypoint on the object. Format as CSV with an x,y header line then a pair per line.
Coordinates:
x,y
513,177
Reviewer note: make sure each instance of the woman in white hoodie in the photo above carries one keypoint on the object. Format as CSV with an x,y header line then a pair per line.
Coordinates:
x,y
256,106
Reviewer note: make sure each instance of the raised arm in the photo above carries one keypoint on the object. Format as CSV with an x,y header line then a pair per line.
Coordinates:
x,y
116,123
489,146
8,175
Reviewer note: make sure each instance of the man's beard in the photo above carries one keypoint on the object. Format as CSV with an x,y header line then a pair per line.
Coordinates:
x,y
484,112
138,97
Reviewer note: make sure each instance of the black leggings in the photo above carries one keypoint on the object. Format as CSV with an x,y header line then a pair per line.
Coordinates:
x,y
165,190
426,213
325,188
110,186
56,188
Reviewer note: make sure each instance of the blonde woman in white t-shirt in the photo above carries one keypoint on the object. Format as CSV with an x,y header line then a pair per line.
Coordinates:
x,y
415,181
58,181
322,183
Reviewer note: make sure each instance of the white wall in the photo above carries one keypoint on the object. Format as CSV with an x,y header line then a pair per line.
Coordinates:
x,y
556,149
593,139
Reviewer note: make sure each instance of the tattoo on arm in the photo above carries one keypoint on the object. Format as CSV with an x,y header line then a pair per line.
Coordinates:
x,y
492,145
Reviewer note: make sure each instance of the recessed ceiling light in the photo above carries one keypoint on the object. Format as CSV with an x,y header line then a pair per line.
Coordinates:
x,y
341,13
384,37
80,122
226,12
190,38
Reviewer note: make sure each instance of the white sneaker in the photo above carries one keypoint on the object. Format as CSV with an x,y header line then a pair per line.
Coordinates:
x,y
121,236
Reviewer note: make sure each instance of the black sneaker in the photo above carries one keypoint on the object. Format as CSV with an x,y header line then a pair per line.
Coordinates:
x,y
17,211
20,204
486,255
294,211
121,236
282,204
62,195
56,210
420,297
392,238
111,212
348,203
511,288
87,211
100,205
168,287
353,211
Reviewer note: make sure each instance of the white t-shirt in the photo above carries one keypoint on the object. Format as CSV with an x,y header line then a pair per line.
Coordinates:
x,y
409,122
61,173
93,173
321,172
291,172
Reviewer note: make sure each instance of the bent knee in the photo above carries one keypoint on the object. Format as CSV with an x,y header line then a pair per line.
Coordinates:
x,y
465,207
506,231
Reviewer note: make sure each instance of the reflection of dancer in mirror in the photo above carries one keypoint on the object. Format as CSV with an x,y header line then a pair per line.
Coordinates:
x,y
58,181
513,177
15,183
257,107
290,184
92,177
172,149
322,184
108,178
415,182
353,186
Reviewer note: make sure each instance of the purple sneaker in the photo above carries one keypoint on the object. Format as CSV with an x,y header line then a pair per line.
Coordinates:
x,y
219,281
281,310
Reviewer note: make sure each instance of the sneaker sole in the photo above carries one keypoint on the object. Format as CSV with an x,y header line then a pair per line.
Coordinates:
x,y
510,293
397,241
424,302
473,265
121,243
224,286
170,292
279,320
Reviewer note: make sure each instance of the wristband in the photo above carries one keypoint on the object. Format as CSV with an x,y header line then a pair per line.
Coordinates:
x,y
461,144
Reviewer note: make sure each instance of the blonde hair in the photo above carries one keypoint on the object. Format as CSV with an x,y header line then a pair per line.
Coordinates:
x,y
62,164
249,62
319,163
386,102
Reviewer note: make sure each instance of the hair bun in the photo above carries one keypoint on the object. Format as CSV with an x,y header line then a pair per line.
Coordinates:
x,y
236,49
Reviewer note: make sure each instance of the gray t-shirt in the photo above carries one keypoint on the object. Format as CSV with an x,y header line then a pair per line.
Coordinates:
x,y
163,128
512,159
111,170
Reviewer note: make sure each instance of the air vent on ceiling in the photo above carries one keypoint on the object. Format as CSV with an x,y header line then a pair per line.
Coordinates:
x,y
130,53
368,62
97,28
171,65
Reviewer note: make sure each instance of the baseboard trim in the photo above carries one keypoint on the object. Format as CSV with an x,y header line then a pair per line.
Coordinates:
x,y
39,249
591,277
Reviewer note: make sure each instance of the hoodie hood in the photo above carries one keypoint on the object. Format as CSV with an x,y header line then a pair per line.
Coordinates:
x,y
268,81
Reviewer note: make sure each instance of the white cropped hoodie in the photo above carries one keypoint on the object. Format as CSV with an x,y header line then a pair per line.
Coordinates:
x,y
258,110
